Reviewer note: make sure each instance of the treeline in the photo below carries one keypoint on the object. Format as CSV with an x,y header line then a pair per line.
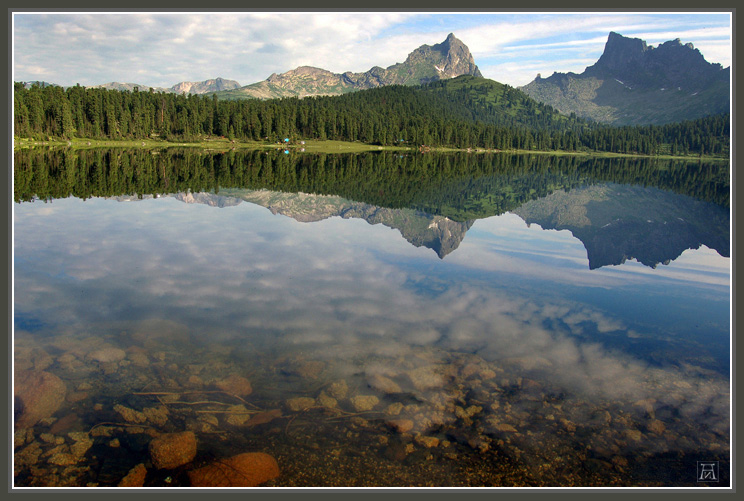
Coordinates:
x,y
464,113
459,186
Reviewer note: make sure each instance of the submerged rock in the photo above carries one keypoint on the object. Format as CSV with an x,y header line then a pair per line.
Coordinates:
x,y
135,477
107,355
264,417
236,385
38,395
130,415
363,403
338,389
299,403
244,470
383,384
172,450
401,425
428,377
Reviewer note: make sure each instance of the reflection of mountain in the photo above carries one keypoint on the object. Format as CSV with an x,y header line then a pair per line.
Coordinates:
x,y
616,223
421,229
207,198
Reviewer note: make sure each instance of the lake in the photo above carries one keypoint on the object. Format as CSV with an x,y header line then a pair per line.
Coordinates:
x,y
376,319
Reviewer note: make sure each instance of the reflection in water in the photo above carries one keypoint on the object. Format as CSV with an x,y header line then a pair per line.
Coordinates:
x,y
369,361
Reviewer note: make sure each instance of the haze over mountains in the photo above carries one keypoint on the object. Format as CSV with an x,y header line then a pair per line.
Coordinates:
x,y
203,87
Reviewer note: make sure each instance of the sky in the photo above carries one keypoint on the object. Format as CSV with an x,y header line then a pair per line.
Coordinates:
x,y
162,49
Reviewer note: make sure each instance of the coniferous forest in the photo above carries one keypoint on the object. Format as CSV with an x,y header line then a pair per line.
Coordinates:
x,y
465,112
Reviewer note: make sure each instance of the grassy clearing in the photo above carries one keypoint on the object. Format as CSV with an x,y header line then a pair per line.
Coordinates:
x,y
309,146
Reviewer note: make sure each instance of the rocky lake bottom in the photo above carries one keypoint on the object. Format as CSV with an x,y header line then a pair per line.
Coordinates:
x,y
134,410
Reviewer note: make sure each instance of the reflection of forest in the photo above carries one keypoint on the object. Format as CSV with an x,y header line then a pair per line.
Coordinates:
x,y
459,186
645,219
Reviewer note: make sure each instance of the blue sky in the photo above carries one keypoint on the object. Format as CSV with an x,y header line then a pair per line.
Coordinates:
x,y
161,49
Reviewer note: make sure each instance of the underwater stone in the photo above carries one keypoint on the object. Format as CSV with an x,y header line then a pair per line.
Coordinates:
x,y
244,470
172,450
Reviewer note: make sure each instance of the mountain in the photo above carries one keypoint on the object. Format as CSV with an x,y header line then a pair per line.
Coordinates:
x,y
40,83
620,222
634,84
126,86
211,85
426,64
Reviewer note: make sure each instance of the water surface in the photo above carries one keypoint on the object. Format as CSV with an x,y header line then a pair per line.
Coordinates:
x,y
506,320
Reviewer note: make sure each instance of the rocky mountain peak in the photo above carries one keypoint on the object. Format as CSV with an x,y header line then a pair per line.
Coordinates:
x,y
427,63
670,64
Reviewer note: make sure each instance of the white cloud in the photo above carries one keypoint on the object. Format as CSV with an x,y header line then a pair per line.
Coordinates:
x,y
248,47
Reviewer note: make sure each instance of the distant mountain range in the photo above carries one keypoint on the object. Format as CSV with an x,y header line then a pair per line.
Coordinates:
x,y
630,84
203,87
633,83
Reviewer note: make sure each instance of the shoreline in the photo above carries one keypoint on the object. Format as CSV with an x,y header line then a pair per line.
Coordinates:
x,y
317,146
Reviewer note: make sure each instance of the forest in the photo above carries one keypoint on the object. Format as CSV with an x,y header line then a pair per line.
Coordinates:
x,y
459,113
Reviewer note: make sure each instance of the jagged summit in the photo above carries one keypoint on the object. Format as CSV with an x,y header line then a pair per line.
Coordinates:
x,y
634,83
427,63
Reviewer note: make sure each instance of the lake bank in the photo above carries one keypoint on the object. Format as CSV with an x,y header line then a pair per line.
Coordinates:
x,y
313,146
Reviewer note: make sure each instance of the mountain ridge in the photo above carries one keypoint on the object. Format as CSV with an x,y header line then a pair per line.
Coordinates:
x,y
633,84
426,64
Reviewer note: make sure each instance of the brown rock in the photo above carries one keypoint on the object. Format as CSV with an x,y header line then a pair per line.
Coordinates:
x,y
656,426
338,389
311,369
237,385
427,441
299,403
428,377
244,470
383,384
107,355
138,359
264,417
130,415
135,477
171,450
325,400
64,424
77,396
364,403
37,395
79,449
401,425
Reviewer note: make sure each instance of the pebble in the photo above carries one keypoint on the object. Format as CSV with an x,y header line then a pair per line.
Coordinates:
x,y
394,409
426,441
107,355
401,425
236,385
299,403
130,415
172,450
250,469
39,394
656,426
383,384
135,477
362,403
338,389
325,400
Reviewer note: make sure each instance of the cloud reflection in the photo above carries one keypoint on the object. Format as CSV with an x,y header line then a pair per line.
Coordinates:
x,y
342,290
